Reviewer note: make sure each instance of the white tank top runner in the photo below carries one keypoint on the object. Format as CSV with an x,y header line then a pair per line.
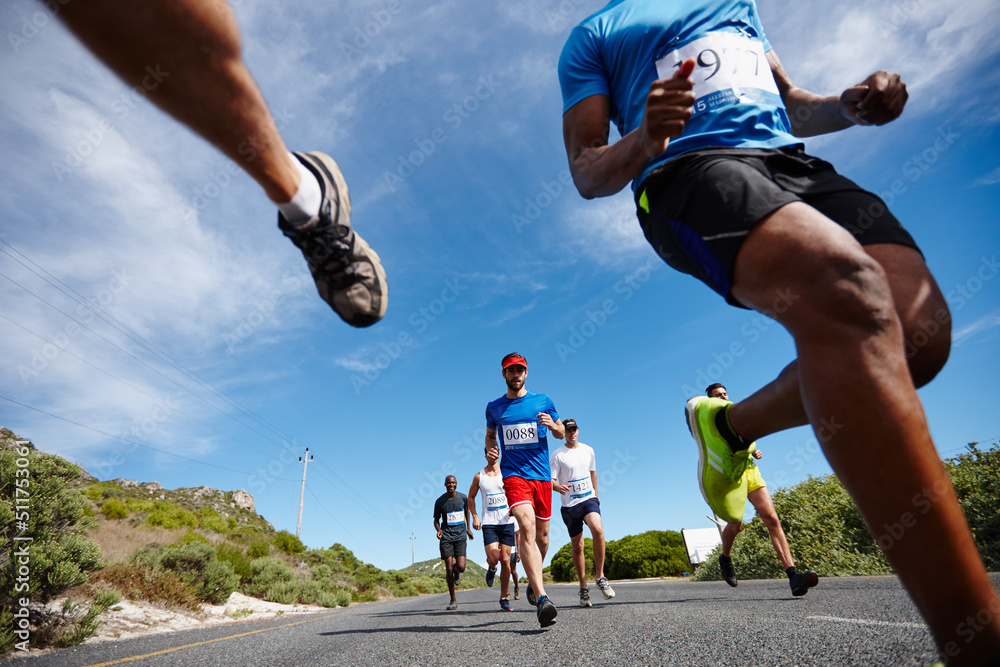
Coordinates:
x,y
493,501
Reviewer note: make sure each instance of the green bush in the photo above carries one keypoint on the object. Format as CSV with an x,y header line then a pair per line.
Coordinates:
x,y
113,508
562,568
191,536
213,521
976,476
86,625
7,636
267,573
195,564
825,533
233,554
101,490
287,543
140,504
258,549
655,553
54,519
168,515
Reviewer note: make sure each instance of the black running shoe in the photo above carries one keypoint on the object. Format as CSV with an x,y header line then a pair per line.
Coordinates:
x,y
546,612
729,572
456,576
490,576
347,272
530,592
801,582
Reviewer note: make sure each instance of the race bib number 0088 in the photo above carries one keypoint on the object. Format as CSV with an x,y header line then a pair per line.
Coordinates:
x,y
520,436
728,66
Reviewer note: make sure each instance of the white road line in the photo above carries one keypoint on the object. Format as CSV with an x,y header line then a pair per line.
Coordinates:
x,y
862,621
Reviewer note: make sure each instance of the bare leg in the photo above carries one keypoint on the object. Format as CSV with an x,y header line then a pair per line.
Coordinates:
x,y
579,559
504,571
186,55
852,369
531,555
593,521
729,534
448,576
921,308
761,501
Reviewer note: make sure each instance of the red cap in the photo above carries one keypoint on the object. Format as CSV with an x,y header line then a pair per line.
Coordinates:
x,y
516,360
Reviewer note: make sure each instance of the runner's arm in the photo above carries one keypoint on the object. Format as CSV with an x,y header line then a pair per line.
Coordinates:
x,y
473,492
593,482
877,100
492,448
468,519
600,169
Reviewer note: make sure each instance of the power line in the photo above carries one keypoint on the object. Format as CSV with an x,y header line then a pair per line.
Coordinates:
x,y
133,387
144,363
134,442
123,328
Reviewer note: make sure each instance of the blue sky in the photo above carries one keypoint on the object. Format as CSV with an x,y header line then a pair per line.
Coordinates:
x,y
205,340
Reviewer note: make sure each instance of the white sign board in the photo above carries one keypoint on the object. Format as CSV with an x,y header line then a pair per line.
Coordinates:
x,y
700,542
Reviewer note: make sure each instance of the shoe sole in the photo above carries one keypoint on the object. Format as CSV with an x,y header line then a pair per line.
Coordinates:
x,y
547,616
691,415
810,582
608,596
344,205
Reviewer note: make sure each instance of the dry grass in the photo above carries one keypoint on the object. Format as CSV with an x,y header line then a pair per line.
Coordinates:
x,y
138,583
119,540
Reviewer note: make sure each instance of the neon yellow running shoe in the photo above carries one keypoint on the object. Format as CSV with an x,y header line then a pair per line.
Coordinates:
x,y
720,471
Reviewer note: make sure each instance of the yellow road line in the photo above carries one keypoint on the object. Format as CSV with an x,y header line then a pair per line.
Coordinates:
x,y
178,648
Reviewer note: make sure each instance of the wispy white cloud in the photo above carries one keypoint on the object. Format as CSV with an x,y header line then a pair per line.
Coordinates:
x,y
992,178
982,325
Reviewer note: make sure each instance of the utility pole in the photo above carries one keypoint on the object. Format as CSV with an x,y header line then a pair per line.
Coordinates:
x,y
412,558
302,494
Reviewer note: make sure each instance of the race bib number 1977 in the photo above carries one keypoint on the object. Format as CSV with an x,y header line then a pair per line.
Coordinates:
x,y
729,66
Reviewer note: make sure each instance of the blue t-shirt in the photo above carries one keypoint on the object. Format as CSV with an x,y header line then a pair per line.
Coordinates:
x,y
524,447
620,50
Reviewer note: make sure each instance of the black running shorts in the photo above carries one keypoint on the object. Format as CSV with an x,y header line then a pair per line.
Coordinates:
x,y
454,549
697,209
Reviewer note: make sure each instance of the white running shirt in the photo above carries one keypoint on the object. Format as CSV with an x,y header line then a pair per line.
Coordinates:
x,y
493,500
571,467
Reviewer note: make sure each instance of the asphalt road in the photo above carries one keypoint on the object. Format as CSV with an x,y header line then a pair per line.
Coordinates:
x,y
844,621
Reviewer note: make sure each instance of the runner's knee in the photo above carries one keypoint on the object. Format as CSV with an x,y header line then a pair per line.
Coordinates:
x,y
848,293
927,345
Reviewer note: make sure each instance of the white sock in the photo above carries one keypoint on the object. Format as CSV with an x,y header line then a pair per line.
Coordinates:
x,y
306,202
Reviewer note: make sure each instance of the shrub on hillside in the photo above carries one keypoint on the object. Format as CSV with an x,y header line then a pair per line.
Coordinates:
x,y
258,549
214,521
113,508
53,520
196,564
976,476
266,574
234,555
655,553
287,543
140,504
139,582
168,515
562,568
825,532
